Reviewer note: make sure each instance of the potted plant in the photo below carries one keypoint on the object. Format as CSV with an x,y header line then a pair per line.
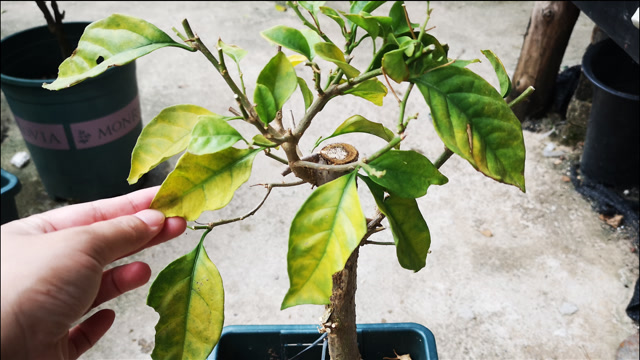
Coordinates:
x,y
470,116
80,140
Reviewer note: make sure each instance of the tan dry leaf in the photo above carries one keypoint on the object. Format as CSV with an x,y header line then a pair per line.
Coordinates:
x,y
486,232
398,357
565,178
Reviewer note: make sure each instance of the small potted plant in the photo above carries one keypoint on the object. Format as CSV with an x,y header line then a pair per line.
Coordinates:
x,y
469,114
80,140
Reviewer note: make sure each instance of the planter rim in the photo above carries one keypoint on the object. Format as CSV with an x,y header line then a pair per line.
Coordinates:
x,y
587,68
37,83
13,186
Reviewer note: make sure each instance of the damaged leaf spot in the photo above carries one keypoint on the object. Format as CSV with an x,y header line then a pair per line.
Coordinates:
x,y
99,60
398,357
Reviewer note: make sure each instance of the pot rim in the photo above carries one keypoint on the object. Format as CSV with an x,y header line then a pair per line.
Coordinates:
x,y
587,69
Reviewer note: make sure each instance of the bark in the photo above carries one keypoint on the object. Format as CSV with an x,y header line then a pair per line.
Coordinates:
x,y
545,42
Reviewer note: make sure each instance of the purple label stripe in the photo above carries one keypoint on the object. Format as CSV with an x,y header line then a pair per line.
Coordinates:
x,y
43,135
107,129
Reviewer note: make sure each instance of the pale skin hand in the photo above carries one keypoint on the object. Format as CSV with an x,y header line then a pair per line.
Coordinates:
x,y
52,267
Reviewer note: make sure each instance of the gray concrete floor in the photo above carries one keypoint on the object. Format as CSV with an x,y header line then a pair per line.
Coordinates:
x,y
552,281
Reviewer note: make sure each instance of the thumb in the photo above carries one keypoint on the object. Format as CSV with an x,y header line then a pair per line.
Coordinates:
x,y
111,239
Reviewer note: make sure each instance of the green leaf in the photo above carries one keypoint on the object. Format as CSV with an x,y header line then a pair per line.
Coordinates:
x,y
503,77
331,53
367,6
233,51
359,124
265,104
289,38
434,55
367,23
189,298
260,140
333,15
280,78
407,174
165,135
312,6
376,62
464,63
372,90
324,233
114,41
203,182
312,39
475,122
410,231
307,95
398,19
394,65
212,134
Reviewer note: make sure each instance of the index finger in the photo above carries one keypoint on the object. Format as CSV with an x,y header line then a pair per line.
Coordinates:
x,y
91,212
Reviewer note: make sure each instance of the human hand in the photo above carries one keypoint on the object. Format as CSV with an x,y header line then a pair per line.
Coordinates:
x,y
52,268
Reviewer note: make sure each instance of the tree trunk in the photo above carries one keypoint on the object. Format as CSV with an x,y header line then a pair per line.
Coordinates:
x,y
545,42
341,324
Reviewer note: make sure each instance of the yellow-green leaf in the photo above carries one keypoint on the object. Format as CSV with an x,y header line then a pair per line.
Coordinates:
x,y
233,51
212,134
203,182
189,298
372,90
165,135
324,233
475,122
498,67
113,41
307,95
357,123
332,53
260,140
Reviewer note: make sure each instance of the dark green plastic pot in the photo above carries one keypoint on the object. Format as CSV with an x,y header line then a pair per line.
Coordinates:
x,y
611,154
80,138
281,342
10,188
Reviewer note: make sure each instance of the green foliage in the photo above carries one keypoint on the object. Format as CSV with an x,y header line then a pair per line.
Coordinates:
x,y
471,118
189,298
324,233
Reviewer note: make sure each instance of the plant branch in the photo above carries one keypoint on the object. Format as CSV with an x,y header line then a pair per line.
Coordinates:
x,y
402,125
276,157
316,166
294,6
253,119
54,23
395,141
211,225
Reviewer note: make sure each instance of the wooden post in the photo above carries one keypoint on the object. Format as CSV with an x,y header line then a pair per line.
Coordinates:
x,y
545,41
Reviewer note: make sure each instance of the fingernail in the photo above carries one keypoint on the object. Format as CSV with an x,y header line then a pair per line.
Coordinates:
x,y
153,218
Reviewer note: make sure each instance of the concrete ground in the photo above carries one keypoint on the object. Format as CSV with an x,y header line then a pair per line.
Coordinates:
x,y
511,275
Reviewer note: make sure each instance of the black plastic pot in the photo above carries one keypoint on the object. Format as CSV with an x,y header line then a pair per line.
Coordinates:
x,y
80,138
282,342
10,188
611,151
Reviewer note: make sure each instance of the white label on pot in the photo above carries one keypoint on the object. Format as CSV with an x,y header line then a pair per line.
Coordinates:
x,y
43,135
107,129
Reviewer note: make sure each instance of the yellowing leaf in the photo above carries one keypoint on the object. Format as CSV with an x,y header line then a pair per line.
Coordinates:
x,y
332,53
165,135
324,233
371,90
189,298
296,59
114,41
203,182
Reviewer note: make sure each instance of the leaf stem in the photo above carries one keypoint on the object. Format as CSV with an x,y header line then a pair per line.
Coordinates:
x,y
294,6
276,157
395,141
402,125
525,94
446,154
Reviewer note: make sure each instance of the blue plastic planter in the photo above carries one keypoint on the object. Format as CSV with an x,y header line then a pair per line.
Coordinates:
x,y
281,342
10,188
